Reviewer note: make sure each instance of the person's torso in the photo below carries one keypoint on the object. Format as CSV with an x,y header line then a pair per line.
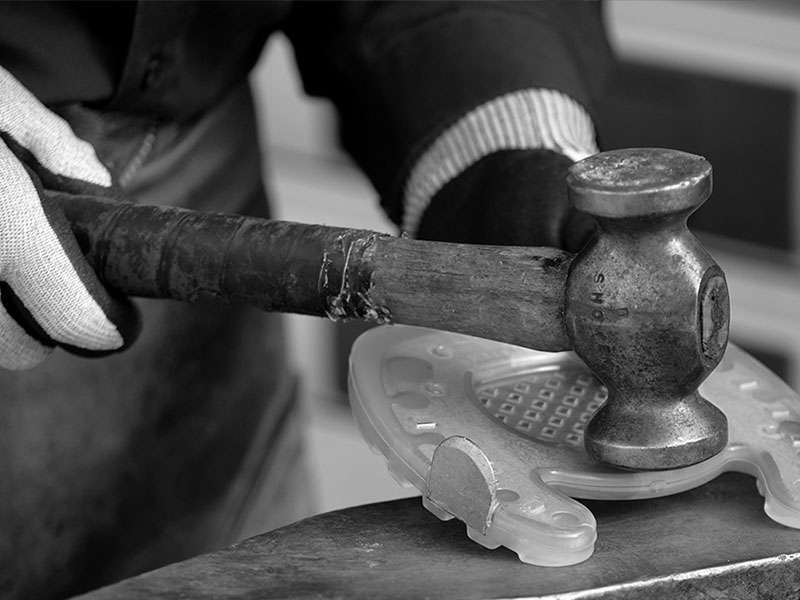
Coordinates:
x,y
170,59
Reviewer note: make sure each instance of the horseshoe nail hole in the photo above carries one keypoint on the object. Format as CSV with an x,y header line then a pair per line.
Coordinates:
x,y
565,520
434,389
748,385
770,431
442,351
507,495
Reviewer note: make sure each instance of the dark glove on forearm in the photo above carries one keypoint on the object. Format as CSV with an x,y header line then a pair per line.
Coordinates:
x,y
510,197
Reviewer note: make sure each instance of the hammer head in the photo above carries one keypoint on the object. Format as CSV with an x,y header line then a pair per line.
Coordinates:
x,y
647,308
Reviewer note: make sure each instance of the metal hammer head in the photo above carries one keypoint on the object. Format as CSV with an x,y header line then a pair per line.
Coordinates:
x,y
647,308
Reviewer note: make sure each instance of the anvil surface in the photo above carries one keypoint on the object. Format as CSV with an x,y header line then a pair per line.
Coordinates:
x,y
712,542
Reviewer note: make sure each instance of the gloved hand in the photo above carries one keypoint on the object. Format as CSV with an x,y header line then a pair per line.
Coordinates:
x,y
498,174
511,197
49,295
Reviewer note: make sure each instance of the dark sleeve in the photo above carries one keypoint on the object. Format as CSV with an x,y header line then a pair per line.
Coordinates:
x,y
400,72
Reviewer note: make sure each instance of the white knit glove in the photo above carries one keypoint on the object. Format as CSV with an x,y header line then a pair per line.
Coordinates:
x,y
53,293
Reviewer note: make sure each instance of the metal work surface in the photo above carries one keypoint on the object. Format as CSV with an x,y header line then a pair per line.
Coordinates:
x,y
712,542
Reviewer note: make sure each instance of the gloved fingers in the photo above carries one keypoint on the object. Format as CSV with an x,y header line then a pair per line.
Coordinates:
x,y
46,136
46,269
18,350
119,310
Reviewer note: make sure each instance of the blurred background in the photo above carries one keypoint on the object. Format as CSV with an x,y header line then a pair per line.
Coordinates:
x,y
716,78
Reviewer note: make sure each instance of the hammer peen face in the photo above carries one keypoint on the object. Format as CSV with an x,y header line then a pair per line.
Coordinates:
x,y
647,308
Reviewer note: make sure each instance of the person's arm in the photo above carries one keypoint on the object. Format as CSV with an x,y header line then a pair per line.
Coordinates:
x,y
465,116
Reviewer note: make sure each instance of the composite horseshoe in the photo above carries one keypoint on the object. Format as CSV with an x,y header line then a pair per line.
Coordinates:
x,y
492,434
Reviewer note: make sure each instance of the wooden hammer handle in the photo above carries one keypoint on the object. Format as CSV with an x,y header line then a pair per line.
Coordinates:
x,y
511,294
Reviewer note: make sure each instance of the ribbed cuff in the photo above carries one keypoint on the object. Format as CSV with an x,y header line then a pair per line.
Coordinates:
x,y
524,120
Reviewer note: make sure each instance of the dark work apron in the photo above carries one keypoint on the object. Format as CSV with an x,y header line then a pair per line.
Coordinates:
x,y
187,441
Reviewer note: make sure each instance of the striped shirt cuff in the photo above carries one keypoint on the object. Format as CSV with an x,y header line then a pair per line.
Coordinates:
x,y
524,120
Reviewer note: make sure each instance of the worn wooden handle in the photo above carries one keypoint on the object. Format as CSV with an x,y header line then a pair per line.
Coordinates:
x,y
505,293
